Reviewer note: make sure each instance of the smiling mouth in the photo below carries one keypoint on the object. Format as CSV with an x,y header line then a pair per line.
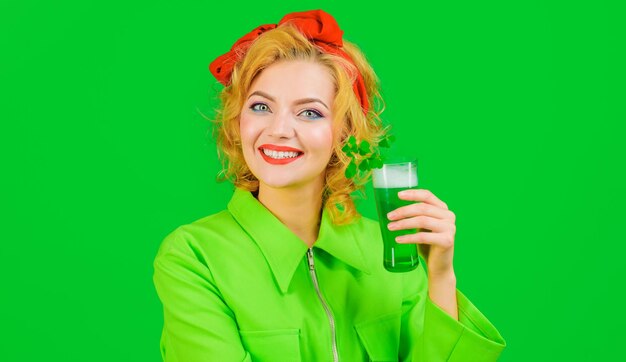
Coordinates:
x,y
280,155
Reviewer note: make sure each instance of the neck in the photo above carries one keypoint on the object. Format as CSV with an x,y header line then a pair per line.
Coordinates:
x,y
298,208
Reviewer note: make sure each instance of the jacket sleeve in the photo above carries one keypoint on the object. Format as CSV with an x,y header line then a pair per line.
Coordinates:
x,y
197,324
429,334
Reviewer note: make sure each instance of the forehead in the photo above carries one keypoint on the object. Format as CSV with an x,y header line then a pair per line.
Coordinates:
x,y
296,79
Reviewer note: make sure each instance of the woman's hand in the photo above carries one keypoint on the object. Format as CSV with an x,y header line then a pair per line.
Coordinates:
x,y
436,244
436,239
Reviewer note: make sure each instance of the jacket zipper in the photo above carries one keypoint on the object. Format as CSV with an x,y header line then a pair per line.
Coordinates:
x,y
326,308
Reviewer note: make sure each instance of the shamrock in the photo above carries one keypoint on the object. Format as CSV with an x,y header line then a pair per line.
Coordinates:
x,y
363,156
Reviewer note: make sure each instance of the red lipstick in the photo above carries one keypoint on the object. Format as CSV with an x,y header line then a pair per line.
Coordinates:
x,y
280,148
282,161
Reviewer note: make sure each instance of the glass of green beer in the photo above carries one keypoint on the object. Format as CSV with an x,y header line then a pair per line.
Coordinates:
x,y
392,178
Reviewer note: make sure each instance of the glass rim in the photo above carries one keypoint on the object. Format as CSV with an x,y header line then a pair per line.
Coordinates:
x,y
401,160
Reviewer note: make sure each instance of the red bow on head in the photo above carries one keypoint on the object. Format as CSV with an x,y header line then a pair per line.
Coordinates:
x,y
317,25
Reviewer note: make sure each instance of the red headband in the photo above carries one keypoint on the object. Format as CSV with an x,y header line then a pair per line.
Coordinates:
x,y
318,26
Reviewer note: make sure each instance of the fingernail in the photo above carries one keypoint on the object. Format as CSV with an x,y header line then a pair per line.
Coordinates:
x,y
399,239
391,226
402,193
391,215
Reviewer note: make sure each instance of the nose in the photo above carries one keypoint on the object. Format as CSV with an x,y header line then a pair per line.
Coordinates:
x,y
281,126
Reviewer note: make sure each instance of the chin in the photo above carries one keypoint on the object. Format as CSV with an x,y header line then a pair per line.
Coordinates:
x,y
279,184
279,181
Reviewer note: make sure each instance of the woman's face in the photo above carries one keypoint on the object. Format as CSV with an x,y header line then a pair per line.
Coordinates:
x,y
286,125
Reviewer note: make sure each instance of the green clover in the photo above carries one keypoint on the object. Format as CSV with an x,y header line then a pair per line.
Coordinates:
x,y
363,156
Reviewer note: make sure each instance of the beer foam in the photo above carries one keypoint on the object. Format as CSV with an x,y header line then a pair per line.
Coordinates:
x,y
395,176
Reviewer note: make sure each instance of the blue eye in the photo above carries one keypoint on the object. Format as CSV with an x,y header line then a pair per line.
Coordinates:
x,y
309,113
260,107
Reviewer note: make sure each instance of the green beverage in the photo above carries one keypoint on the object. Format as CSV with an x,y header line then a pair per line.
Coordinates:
x,y
388,181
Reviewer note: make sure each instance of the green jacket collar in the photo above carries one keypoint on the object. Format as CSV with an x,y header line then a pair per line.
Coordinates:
x,y
282,249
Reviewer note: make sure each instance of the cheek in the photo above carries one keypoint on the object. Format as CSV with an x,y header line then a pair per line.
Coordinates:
x,y
322,137
249,135
247,131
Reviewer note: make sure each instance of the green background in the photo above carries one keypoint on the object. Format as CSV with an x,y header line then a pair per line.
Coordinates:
x,y
514,109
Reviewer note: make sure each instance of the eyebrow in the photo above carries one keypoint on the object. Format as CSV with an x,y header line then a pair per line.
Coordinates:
x,y
298,102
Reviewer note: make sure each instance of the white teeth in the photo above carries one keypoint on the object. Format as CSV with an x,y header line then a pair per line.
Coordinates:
x,y
279,154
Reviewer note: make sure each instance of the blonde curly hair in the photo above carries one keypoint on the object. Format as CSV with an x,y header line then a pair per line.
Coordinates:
x,y
287,43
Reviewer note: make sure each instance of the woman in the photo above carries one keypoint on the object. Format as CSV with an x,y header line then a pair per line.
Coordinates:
x,y
290,271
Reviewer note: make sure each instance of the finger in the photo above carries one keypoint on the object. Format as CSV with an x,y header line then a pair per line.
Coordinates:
x,y
421,208
443,240
422,195
422,222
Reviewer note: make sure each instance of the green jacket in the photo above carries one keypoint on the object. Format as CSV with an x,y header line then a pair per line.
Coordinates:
x,y
240,286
